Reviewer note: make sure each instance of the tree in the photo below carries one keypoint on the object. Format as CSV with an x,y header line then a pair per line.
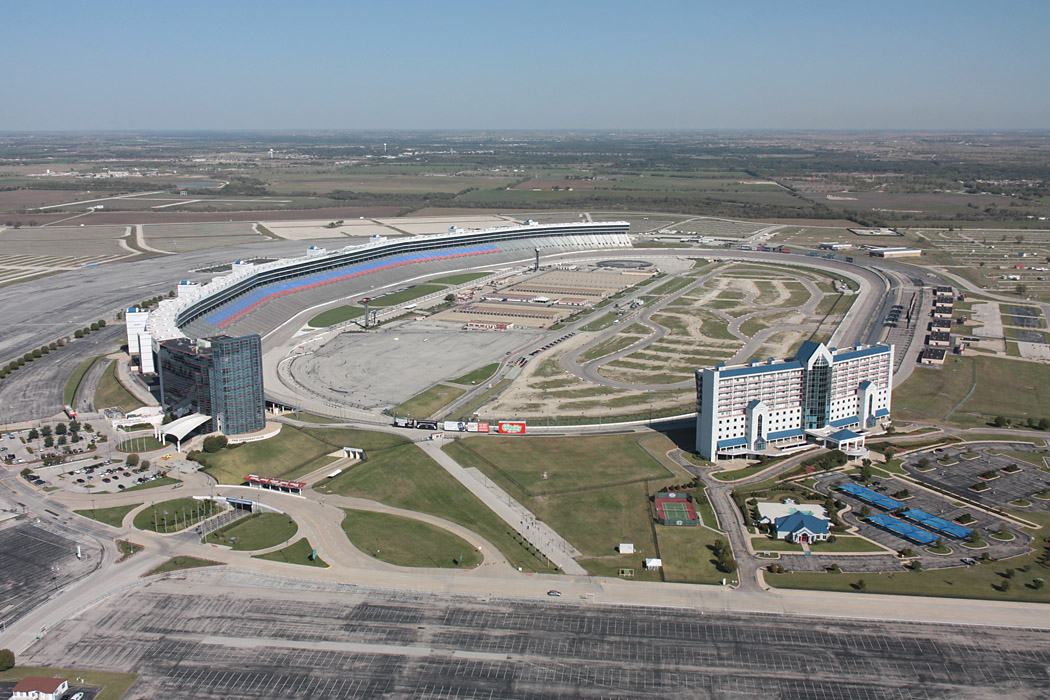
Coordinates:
x,y
33,434
865,473
865,512
46,431
101,323
7,659
214,443
60,429
132,460
144,464
1038,583
860,585
450,298
49,441
94,326
1021,289
999,422
916,565
74,426
1044,423
924,463
78,333
61,440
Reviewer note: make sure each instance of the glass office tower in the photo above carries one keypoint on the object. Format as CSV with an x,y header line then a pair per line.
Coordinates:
x,y
219,377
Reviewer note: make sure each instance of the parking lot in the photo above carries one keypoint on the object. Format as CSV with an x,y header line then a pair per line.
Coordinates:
x,y
34,563
92,476
251,642
934,504
1007,487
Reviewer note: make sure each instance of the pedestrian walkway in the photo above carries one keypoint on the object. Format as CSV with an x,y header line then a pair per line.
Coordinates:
x,y
539,534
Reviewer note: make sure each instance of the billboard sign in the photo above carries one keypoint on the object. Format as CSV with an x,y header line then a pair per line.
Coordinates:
x,y
454,425
508,427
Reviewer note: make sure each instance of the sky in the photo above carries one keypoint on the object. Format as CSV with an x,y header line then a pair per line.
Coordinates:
x,y
639,65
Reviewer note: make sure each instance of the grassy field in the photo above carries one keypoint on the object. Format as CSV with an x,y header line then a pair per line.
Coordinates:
x,y
687,554
407,542
406,477
336,315
111,684
541,465
257,531
110,393
286,455
297,553
177,563
596,494
175,515
110,516
425,404
461,278
69,393
479,375
1000,387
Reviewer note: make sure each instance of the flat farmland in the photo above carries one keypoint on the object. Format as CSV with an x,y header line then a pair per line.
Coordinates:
x,y
14,200
322,183
327,210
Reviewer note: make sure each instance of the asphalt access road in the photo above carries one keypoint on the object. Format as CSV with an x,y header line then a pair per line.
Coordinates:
x,y
208,635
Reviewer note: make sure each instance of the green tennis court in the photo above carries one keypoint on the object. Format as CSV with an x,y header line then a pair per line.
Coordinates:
x,y
676,511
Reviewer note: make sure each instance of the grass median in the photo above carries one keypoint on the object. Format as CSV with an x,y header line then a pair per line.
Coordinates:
x,y
257,531
407,542
110,516
296,553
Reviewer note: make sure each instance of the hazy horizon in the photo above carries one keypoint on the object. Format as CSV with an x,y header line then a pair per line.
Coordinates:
x,y
471,66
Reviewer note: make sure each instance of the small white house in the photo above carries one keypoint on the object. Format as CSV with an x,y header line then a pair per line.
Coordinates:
x,y
36,688
654,564
625,548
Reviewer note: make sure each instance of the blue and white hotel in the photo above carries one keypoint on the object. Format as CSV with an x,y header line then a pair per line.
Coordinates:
x,y
835,396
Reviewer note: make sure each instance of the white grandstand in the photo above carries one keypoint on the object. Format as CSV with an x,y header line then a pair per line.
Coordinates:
x,y
284,287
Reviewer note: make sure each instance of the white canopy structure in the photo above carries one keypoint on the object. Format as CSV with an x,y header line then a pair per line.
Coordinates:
x,y
182,427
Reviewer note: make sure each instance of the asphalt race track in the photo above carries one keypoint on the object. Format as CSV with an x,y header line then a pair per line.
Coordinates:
x,y
206,634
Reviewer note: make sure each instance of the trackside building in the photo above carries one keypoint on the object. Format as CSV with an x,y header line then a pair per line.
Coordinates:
x,y
763,407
